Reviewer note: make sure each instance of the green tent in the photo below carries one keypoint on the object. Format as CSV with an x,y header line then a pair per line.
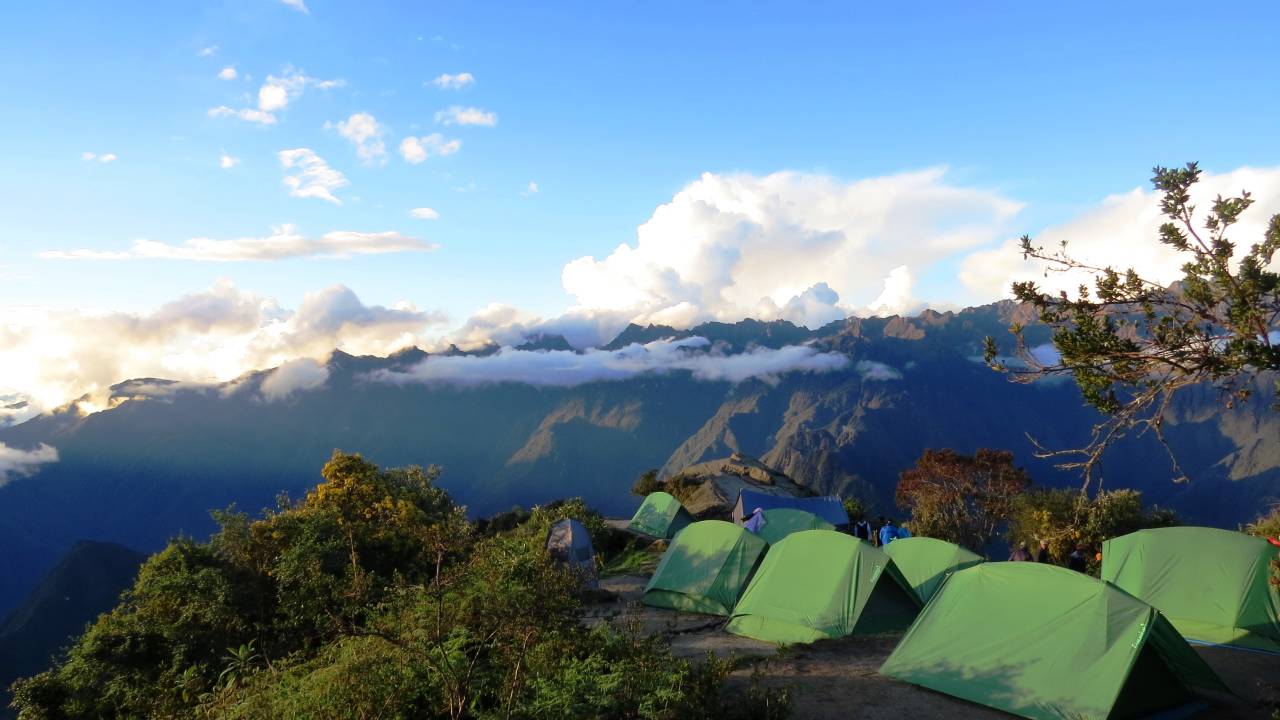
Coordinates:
x,y
1042,641
705,568
781,522
926,562
820,584
660,516
1211,584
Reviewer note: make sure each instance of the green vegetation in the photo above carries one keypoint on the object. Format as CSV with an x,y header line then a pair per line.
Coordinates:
x,y
1067,519
1132,343
960,498
372,597
646,483
1268,525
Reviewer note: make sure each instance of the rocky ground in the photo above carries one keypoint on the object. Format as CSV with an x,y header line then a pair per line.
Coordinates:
x,y
840,678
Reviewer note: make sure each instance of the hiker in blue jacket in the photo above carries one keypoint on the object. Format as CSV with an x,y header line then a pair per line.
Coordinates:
x,y
888,532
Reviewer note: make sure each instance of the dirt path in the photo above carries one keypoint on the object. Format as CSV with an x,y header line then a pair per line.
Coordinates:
x,y
841,679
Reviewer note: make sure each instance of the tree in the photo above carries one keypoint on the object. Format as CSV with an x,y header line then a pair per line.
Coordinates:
x,y
1067,518
1132,343
646,483
1268,526
960,498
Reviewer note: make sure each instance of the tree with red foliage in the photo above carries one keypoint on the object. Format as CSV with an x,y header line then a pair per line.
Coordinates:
x,y
961,498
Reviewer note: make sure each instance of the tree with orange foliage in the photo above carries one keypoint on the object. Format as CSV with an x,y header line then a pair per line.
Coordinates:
x,y
963,499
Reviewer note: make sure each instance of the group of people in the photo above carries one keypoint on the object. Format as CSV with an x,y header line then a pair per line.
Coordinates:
x,y
884,532
1077,560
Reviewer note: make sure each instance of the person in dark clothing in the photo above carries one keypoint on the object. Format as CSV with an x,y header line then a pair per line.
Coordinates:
x,y
1020,554
877,530
1042,555
862,530
1078,560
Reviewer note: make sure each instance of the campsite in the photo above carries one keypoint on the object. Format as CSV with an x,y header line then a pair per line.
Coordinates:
x,y
925,628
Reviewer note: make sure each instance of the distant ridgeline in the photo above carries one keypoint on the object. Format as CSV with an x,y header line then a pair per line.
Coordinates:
x,y
155,463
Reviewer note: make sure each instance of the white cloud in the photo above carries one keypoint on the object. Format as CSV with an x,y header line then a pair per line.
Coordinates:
x,y
363,130
299,5
810,248
445,81
15,462
565,368
313,176
425,213
531,188
274,95
294,376
417,149
874,370
285,242
95,157
208,51
226,162
50,357
1122,232
458,115
228,73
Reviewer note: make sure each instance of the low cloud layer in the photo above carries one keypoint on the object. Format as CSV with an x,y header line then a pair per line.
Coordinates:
x,y
15,462
283,243
565,368
50,358
293,376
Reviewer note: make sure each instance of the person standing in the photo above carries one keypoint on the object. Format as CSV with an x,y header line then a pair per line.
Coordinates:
x,y
1042,555
888,533
1020,554
1077,560
862,530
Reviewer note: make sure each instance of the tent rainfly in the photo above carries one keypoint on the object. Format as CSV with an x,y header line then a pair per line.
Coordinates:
x,y
1212,584
828,508
660,516
781,522
705,568
569,544
1041,641
927,562
820,584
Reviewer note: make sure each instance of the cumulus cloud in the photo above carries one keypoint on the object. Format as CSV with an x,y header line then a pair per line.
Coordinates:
x,y
226,162
299,5
97,157
425,213
274,95
49,358
565,368
228,73
445,81
417,149
285,242
363,130
312,176
810,248
458,115
15,462
292,377
1121,232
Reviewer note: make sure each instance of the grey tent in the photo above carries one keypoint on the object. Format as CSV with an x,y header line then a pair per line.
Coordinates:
x,y
569,545
828,508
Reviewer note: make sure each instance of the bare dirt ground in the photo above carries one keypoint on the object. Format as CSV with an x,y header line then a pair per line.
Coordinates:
x,y
841,679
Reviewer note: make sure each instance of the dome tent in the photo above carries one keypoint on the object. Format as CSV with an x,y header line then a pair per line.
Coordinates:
x,y
828,507
1042,641
660,516
569,544
927,562
705,568
821,584
1212,584
781,522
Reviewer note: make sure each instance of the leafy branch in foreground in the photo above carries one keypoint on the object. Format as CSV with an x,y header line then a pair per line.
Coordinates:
x,y
1132,343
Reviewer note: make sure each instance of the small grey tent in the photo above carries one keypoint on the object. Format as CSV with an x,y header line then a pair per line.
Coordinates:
x,y
569,545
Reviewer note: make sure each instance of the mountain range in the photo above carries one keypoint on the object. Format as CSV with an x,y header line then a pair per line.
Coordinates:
x,y
165,453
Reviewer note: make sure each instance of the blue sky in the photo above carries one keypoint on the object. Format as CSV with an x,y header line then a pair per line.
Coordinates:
x,y
610,108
